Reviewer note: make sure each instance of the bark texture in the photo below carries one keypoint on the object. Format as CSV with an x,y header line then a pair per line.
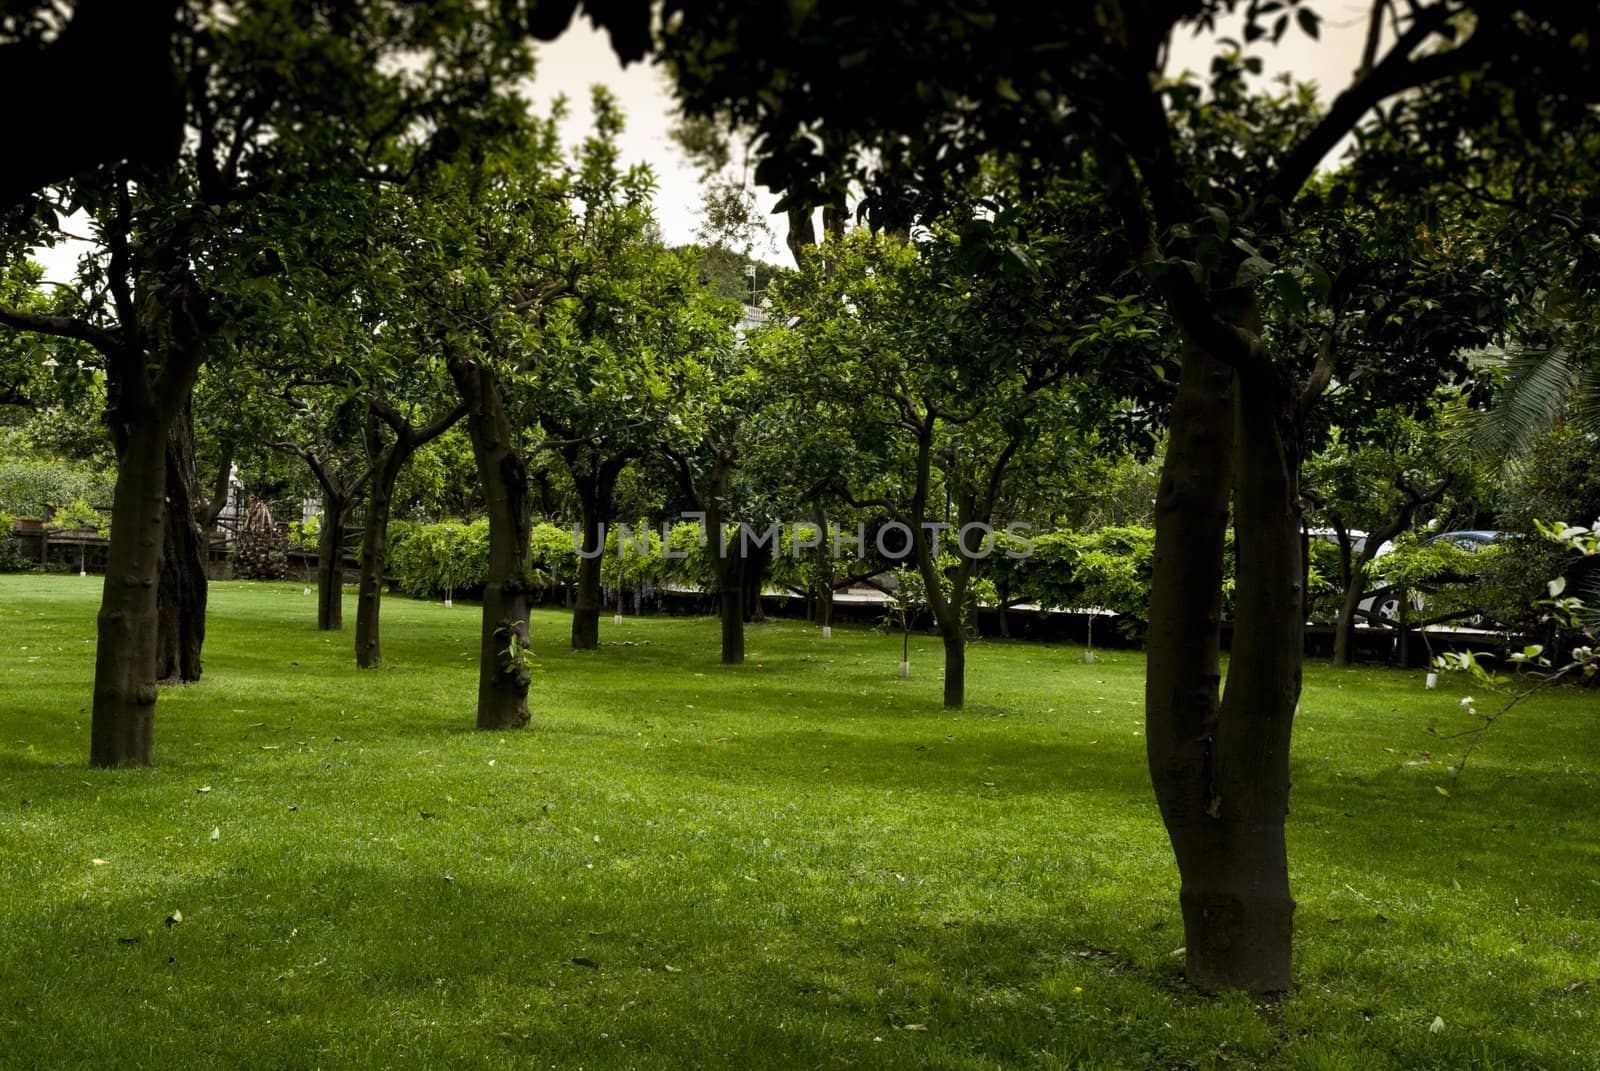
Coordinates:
x,y
122,726
182,590
1219,764
503,638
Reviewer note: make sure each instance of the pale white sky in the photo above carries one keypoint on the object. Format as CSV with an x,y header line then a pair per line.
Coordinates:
x,y
582,57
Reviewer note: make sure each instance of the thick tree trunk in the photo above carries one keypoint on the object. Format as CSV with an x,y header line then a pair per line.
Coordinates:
x,y
1220,768
586,608
181,592
123,721
503,639
330,562
1184,666
1238,907
374,549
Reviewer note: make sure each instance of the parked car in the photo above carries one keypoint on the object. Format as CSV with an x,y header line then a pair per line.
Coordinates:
x,y
1375,605
1472,540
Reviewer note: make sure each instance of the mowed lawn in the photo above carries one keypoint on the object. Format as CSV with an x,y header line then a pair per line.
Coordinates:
x,y
802,862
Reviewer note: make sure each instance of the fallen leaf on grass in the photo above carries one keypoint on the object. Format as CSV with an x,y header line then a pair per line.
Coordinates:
x,y
1437,1026
918,1028
97,862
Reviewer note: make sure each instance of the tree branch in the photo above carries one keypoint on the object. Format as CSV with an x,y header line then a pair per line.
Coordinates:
x,y
62,327
1395,73
1321,373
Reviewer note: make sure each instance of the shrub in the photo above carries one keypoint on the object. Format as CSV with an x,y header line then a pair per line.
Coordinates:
x,y
11,559
32,487
429,559
78,515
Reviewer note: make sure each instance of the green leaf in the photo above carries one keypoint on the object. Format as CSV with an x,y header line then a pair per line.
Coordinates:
x,y
1290,293
1310,22
1252,270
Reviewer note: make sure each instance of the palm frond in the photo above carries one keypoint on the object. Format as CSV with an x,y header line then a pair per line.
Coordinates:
x,y
1539,383
1586,405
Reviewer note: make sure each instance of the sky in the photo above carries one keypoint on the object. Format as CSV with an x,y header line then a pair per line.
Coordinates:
x,y
582,57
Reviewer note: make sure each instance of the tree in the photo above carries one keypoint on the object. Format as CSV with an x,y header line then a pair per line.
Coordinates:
x,y
951,359
386,459
509,242
185,240
716,415
1209,218
614,369
1380,486
330,441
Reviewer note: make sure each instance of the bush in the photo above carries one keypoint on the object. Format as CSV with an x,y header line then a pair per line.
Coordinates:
x,y
11,559
553,553
33,487
78,515
429,559
1107,569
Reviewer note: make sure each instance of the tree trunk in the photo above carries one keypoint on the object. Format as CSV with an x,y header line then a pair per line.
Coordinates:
x,y
955,665
753,580
586,609
730,590
1345,627
1220,768
731,609
727,563
384,464
181,591
503,639
330,562
824,570
374,550
1242,909
1184,665
123,722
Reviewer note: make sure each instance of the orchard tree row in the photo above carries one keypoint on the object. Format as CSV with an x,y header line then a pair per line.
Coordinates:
x,y
339,230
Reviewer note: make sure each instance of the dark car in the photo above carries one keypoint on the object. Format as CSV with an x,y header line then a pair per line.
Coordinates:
x,y
1470,540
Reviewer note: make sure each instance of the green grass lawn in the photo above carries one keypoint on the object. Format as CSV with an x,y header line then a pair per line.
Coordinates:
x,y
801,862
